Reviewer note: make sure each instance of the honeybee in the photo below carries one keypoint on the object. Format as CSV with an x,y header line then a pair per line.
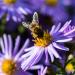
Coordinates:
x,y
34,27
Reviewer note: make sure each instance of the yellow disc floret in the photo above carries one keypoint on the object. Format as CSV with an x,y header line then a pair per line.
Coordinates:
x,y
43,41
51,2
69,68
9,1
8,67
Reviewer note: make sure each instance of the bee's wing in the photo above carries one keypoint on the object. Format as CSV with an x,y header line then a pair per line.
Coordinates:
x,y
35,18
25,24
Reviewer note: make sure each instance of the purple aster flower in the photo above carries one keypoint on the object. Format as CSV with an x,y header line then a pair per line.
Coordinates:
x,y
14,9
47,44
9,56
54,8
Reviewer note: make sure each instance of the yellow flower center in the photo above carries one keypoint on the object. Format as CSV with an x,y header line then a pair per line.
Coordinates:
x,y
43,41
8,67
69,68
51,2
9,1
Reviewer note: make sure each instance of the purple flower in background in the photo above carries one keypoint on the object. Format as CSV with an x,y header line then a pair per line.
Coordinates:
x,y
9,56
73,3
14,9
47,46
54,8
67,2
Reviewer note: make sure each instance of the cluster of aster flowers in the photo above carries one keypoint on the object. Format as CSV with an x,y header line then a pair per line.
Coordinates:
x,y
47,46
16,10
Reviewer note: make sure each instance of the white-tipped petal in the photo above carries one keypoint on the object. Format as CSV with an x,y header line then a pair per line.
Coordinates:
x,y
10,46
51,55
58,46
65,26
52,30
22,10
17,43
21,50
70,32
64,40
5,44
46,55
14,18
54,52
44,71
29,49
26,55
57,28
39,55
2,45
27,63
36,67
